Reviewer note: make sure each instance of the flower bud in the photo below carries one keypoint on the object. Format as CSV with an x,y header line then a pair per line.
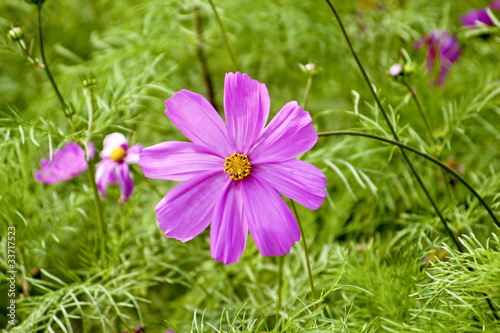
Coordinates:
x,y
396,70
310,68
15,34
87,83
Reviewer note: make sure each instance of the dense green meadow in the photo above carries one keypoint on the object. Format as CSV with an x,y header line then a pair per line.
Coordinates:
x,y
382,259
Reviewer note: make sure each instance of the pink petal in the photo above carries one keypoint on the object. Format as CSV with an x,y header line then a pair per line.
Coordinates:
x,y
178,161
288,135
296,179
188,208
197,119
272,225
133,154
122,174
105,175
229,230
246,105
67,163
113,141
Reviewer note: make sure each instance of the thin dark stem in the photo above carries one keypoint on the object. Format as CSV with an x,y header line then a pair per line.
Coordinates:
x,y
45,65
439,163
203,60
391,127
426,156
224,36
306,253
420,109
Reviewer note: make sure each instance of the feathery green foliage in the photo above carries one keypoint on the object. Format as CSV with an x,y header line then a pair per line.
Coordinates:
x,y
373,242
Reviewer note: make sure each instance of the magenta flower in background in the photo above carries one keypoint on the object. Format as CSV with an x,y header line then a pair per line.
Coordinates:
x,y
113,169
472,17
443,50
67,163
494,5
233,175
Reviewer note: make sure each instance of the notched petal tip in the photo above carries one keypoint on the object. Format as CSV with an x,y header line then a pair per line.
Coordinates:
x,y
246,106
289,134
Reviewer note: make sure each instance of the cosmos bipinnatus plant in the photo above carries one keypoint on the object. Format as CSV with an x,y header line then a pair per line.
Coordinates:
x,y
398,251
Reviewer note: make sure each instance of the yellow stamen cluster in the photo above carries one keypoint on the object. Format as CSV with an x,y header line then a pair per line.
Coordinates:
x,y
238,166
118,154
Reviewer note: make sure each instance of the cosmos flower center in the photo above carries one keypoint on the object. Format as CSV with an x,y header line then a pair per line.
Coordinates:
x,y
237,166
118,154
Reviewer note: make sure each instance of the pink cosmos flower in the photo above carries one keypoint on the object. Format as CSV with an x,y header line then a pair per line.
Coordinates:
x,y
443,50
233,175
67,163
494,5
113,169
472,17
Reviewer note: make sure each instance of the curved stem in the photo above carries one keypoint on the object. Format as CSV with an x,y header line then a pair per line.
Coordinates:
x,y
420,109
44,62
306,252
224,36
424,155
391,127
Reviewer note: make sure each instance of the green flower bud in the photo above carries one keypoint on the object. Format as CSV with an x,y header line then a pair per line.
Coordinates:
x,y
87,83
15,34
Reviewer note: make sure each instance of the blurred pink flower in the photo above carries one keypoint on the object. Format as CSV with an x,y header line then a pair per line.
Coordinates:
x,y
443,50
494,5
113,169
67,163
233,175
472,17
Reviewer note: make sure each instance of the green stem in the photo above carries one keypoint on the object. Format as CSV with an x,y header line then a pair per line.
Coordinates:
x,y
420,109
23,47
45,65
426,156
203,60
306,93
306,253
92,181
280,291
391,127
224,36
90,107
97,206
